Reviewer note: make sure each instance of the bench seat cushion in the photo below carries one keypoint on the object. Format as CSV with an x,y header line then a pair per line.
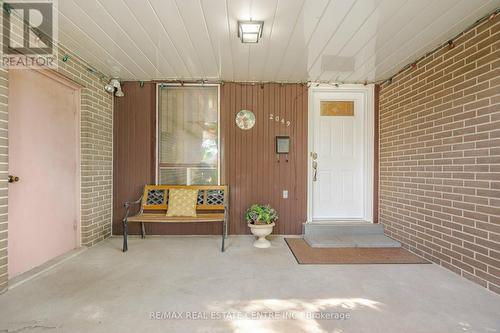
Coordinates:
x,y
200,217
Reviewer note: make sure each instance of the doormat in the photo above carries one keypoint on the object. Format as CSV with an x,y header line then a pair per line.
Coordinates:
x,y
304,254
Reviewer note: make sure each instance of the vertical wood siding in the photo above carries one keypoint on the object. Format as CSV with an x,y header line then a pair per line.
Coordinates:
x,y
250,164
134,129
248,160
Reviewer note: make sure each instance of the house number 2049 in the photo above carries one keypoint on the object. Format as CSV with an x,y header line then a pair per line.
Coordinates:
x,y
277,119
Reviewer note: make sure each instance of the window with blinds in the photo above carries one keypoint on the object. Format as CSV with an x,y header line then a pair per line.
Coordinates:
x,y
188,135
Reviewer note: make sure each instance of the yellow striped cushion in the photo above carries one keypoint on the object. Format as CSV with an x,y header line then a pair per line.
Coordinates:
x,y
182,202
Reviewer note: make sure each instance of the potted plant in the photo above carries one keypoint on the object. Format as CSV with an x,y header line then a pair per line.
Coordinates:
x,y
260,219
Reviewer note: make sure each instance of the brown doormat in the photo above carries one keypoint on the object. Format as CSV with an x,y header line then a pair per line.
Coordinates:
x,y
304,254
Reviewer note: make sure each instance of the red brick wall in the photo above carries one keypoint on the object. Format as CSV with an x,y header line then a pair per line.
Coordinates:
x,y
440,156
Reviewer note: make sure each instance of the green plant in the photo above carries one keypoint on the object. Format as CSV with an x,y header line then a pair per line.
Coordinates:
x,y
261,214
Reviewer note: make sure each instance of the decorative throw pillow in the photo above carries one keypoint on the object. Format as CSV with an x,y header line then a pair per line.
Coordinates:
x,y
182,202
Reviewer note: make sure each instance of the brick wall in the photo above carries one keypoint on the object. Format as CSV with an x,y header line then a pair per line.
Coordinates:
x,y
440,156
96,126
96,156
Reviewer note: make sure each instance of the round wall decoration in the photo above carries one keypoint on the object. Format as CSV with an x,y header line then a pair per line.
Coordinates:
x,y
245,119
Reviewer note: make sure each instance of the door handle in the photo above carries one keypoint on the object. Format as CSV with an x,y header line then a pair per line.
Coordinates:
x,y
315,171
13,179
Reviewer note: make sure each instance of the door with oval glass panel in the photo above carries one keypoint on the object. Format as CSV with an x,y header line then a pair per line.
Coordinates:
x,y
338,157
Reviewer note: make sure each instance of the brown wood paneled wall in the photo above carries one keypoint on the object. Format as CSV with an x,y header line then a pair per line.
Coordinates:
x,y
133,146
134,153
249,163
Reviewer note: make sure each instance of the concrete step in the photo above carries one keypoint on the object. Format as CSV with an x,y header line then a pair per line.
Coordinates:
x,y
347,234
342,228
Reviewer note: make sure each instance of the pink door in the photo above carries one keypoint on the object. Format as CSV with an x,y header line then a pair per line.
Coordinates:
x,y
44,154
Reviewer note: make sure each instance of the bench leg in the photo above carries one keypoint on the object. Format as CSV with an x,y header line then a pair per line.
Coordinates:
x,y
222,250
143,231
224,233
225,229
125,233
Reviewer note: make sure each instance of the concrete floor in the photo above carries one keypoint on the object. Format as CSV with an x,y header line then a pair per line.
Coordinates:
x,y
105,290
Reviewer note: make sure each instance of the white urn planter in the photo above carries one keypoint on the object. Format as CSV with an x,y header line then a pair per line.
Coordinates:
x,y
261,231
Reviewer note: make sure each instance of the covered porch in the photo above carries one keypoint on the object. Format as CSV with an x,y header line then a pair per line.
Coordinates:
x,y
184,284
250,166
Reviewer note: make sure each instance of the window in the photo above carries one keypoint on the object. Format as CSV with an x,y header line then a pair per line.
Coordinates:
x,y
188,135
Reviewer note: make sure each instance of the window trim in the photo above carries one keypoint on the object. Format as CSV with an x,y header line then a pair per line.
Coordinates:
x,y
157,132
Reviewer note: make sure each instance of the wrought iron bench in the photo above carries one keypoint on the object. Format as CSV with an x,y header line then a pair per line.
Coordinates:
x,y
212,206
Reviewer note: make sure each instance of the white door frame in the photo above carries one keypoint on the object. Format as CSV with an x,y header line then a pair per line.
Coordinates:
x,y
368,93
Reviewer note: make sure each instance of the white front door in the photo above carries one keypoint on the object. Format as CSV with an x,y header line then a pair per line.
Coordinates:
x,y
339,156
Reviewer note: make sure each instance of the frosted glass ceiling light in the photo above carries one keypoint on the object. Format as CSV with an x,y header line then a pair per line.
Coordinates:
x,y
250,31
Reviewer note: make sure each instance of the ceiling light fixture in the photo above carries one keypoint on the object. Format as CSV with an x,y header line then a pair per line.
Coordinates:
x,y
250,31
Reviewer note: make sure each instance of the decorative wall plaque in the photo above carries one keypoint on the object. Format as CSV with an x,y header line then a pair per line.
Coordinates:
x,y
245,119
337,108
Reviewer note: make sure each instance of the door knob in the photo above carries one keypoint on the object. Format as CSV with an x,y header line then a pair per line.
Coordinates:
x,y
13,179
315,171
314,156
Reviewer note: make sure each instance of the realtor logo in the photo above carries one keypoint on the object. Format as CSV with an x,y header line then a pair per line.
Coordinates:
x,y
29,34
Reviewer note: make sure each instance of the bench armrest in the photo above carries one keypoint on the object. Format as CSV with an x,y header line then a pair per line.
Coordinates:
x,y
127,205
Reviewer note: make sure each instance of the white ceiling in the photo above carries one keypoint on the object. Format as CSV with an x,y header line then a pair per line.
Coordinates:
x,y
316,40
